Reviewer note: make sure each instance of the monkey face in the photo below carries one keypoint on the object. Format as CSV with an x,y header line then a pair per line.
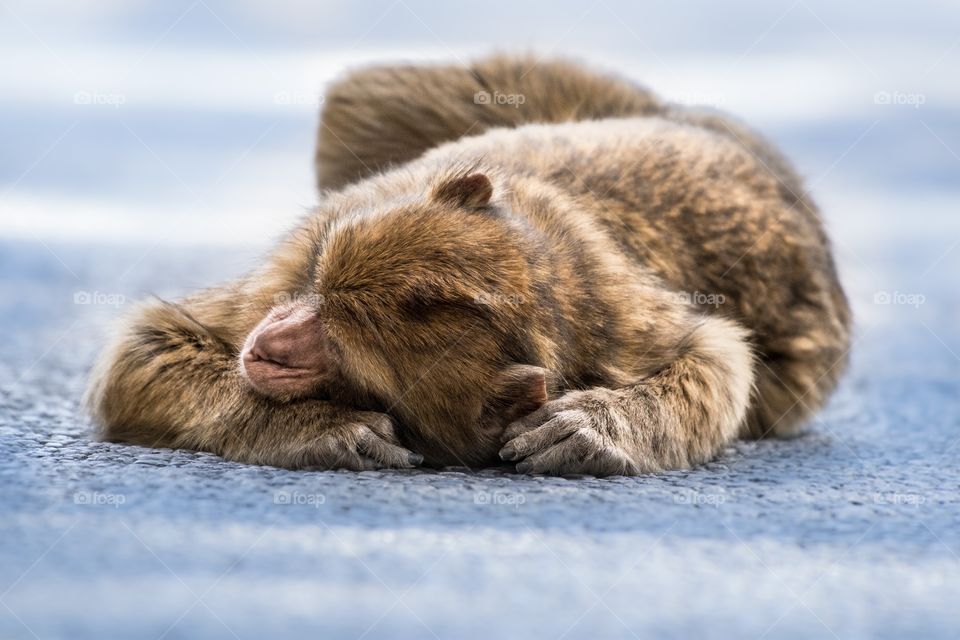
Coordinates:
x,y
421,311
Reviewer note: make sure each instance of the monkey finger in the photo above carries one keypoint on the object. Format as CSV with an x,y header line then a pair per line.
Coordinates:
x,y
387,454
538,439
331,453
531,421
610,461
545,413
380,424
568,456
369,464
357,462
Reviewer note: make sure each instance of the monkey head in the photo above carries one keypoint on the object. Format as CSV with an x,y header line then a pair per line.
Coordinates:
x,y
421,308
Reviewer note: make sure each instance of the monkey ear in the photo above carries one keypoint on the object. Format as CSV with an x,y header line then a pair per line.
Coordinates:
x,y
521,389
472,191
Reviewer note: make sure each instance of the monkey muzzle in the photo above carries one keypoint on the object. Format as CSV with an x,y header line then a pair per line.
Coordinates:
x,y
287,355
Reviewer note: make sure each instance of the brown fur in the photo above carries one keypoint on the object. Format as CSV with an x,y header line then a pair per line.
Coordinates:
x,y
659,269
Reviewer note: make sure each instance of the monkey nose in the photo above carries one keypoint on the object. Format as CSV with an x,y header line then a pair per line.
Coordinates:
x,y
258,353
295,341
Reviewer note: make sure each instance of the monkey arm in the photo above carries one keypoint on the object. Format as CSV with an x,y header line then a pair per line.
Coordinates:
x,y
172,381
680,416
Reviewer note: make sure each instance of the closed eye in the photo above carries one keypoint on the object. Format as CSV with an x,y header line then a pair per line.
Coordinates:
x,y
432,310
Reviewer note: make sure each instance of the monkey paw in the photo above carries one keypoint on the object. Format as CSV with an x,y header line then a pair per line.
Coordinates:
x,y
365,440
580,432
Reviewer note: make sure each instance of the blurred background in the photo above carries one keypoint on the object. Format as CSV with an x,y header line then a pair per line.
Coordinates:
x,y
158,147
160,124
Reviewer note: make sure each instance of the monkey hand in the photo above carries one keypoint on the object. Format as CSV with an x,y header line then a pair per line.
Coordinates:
x,y
355,440
582,432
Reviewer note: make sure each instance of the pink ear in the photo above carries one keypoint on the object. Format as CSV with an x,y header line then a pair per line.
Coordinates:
x,y
472,191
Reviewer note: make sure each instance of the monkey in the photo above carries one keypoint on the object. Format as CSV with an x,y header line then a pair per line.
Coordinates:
x,y
582,279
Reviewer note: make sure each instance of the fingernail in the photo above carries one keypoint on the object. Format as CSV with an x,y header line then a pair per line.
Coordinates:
x,y
415,459
525,467
508,453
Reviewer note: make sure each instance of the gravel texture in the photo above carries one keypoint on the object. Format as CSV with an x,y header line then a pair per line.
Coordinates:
x,y
852,530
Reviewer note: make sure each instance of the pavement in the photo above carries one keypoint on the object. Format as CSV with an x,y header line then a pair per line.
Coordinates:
x,y
852,530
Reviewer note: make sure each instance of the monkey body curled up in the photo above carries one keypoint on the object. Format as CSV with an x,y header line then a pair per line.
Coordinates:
x,y
592,281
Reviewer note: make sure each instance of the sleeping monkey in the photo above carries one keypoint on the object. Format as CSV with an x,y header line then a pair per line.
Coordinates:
x,y
584,280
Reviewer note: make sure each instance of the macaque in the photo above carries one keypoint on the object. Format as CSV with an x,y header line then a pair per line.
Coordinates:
x,y
579,279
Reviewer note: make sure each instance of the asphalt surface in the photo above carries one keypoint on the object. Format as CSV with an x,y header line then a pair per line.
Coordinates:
x,y
852,530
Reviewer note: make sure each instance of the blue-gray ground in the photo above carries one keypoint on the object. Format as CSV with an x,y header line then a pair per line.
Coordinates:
x,y
852,529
